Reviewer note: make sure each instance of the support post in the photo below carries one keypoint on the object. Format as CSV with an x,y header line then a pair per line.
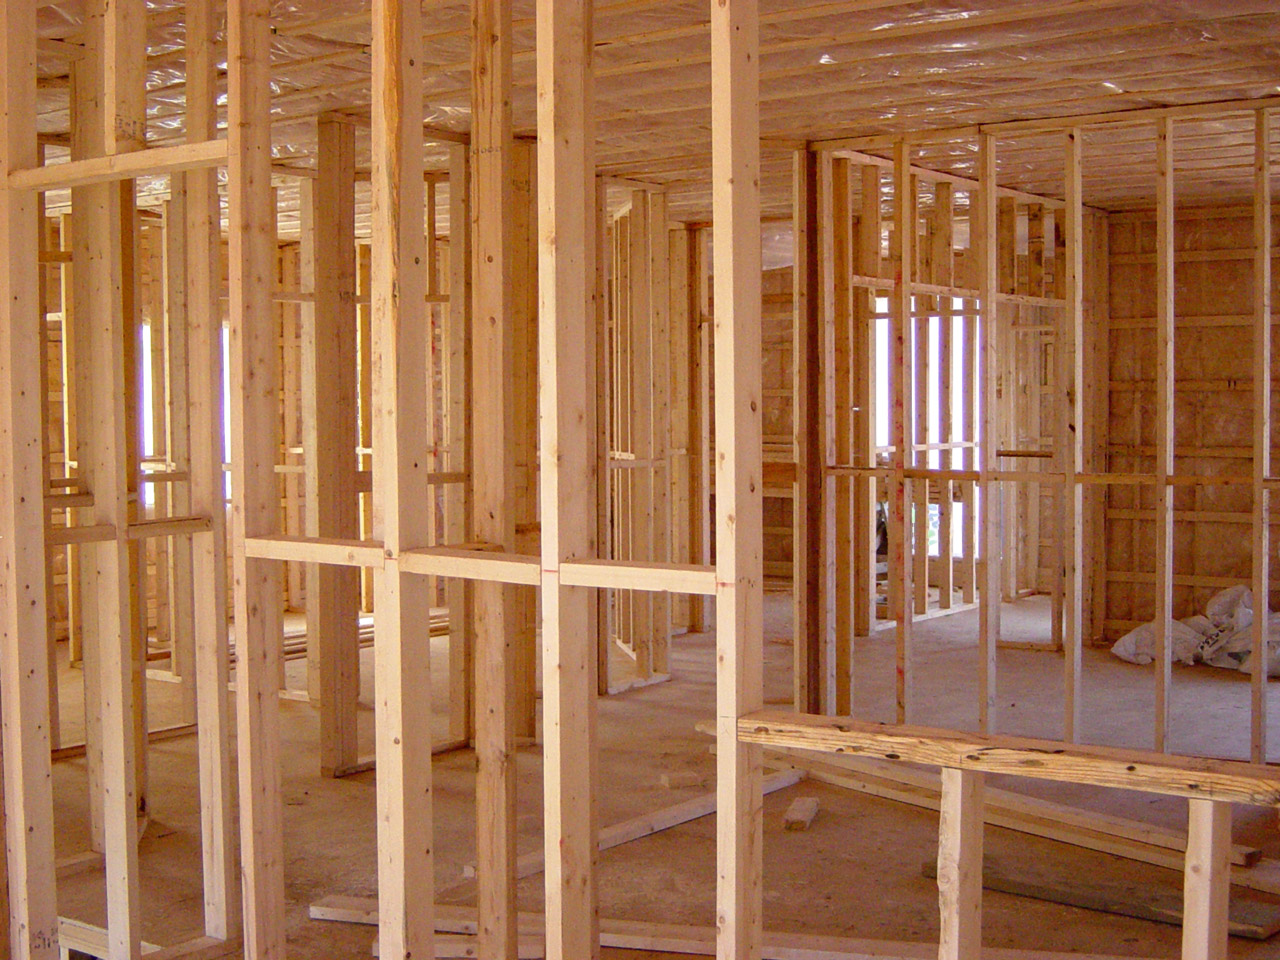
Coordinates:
x,y
1261,434
1071,440
990,539
566,359
1206,880
219,847
735,175
24,665
806,382
865,495
329,435
400,337
1164,400
493,468
255,384
901,547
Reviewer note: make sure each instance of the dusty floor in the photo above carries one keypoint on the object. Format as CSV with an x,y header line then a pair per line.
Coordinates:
x,y
856,872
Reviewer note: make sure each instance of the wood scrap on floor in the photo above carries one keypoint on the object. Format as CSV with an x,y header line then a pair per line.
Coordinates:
x,y
1251,918
800,814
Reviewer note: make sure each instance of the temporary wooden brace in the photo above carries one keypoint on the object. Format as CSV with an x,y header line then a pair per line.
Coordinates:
x,y
1071,438
1262,422
989,491
492,441
254,435
1164,429
329,434
735,177
566,352
402,602
24,697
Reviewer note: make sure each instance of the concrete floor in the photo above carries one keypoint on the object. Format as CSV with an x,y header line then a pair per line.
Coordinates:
x,y
855,873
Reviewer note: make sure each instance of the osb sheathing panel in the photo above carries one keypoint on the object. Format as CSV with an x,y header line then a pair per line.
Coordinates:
x,y
1213,410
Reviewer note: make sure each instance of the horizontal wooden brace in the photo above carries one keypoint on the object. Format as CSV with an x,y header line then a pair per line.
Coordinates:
x,y
687,578
97,533
121,166
168,527
338,553
468,563
1140,770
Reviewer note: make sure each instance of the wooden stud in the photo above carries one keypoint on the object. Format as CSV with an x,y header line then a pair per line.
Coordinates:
x,y
1206,881
329,434
990,538
735,128
960,831
901,557
400,337
1071,438
459,593
255,381
841,527
806,382
567,286
24,695
1262,390
1164,400
493,467
942,263
866,539
659,425
221,861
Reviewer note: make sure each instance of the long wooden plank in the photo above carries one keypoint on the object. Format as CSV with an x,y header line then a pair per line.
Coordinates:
x,y
121,166
840,529
806,418
1039,759
329,433
566,354
990,538
255,380
493,465
221,865
692,940
1164,399
866,534
902,549
1262,426
735,184
637,575
32,922
401,518
1071,438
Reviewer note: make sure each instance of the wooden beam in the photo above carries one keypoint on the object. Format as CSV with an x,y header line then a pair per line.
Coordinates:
x,y
806,419
1070,352
255,382
735,183
1125,769
122,166
1164,400
865,496
401,518
493,466
840,526
901,547
686,578
566,359
330,434
203,223
990,538
32,922
1262,426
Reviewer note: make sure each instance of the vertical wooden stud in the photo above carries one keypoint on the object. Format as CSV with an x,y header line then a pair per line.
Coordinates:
x,y
1164,400
735,129
1259,658
901,556
989,510
1206,880
960,845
